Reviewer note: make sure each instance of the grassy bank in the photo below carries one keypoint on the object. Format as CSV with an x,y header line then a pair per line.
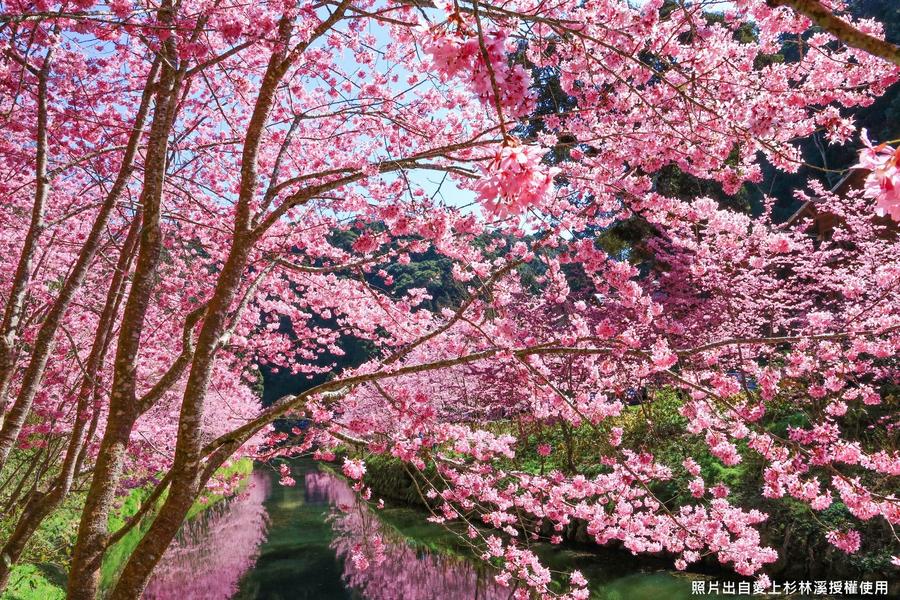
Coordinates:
x,y
42,573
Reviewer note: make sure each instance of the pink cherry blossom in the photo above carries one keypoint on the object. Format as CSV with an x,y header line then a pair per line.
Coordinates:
x,y
848,541
883,181
353,468
515,180
199,197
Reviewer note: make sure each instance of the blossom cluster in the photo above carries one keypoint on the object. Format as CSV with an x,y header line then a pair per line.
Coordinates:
x,y
483,62
515,180
883,180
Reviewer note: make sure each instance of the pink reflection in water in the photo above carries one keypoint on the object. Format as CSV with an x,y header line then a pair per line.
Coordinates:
x,y
395,569
212,552
325,487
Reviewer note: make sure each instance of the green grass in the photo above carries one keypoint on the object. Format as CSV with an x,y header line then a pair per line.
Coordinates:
x,y
36,582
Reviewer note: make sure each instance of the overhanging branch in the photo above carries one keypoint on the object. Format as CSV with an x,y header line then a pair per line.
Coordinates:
x,y
823,16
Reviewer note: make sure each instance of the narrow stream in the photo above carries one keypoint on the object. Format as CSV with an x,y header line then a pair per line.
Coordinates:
x,y
274,542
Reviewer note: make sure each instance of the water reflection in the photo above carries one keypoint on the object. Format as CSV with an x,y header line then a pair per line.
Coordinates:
x,y
395,569
295,543
213,551
275,542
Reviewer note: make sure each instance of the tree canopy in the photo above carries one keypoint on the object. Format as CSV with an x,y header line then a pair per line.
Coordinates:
x,y
194,191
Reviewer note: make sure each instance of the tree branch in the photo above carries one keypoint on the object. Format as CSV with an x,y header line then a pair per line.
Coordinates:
x,y
823,16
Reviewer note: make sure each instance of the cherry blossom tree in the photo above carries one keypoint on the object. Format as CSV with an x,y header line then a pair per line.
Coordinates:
x,y
178,178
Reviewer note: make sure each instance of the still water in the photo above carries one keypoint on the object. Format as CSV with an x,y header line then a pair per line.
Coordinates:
x,y
274,542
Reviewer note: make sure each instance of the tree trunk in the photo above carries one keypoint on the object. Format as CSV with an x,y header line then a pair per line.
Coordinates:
x,y
186,469
92,531
93,528
39,507
137,571
43,345
12,315
36,510
825,18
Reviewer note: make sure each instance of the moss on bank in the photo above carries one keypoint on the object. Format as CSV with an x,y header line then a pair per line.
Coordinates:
x,y
392,480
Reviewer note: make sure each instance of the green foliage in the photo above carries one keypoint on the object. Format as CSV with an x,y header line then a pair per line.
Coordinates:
x,y
656,426
431,271
118,553
390,479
